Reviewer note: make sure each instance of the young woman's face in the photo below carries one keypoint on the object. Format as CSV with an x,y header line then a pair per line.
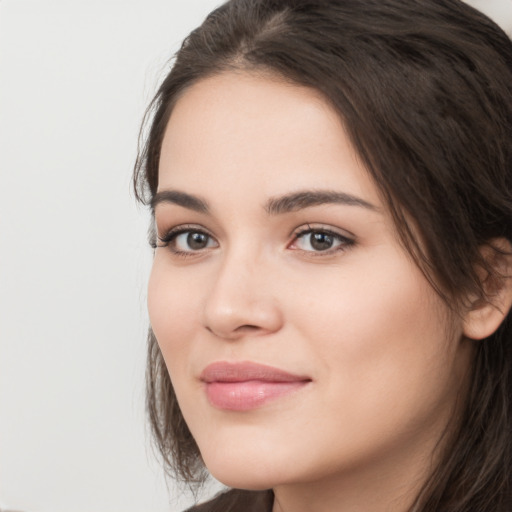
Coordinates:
x,y
302,342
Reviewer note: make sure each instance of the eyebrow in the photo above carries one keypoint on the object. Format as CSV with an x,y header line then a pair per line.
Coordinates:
x,y
308,198
181,199
274,206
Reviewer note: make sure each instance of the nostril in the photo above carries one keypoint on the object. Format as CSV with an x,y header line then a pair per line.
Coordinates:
x,y
235,333
247,328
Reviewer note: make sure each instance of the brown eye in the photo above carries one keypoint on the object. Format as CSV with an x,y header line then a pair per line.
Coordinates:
x,y
321,241
181,240
197,241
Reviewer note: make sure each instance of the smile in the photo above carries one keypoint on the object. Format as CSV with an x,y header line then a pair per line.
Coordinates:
x,y
245,386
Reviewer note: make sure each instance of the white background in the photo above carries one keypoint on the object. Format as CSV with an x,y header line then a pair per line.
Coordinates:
x,y
75,77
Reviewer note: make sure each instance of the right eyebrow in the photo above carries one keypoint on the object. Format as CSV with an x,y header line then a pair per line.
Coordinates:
x,y
181,199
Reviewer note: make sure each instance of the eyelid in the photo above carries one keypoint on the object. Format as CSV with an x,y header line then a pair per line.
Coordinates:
x,y
171,234
320,226
346,240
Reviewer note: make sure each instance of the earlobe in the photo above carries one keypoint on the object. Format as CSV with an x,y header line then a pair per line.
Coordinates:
x,y
484,316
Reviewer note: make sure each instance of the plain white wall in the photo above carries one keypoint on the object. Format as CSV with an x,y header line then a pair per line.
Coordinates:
x,y
75,77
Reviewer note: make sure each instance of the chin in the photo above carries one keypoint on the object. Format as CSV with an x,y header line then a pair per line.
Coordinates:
x,y
239,468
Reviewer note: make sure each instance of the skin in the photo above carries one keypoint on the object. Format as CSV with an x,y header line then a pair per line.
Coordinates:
x,y
387,360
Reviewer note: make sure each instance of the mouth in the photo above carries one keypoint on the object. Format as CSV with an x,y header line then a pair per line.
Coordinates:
x,y
245,386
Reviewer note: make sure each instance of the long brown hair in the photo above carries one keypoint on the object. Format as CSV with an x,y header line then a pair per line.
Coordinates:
x,y
424,89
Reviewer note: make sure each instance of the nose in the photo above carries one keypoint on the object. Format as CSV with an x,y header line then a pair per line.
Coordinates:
x,y
242,301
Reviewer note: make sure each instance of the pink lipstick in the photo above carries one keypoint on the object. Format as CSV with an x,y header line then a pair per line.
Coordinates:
x,y
244,386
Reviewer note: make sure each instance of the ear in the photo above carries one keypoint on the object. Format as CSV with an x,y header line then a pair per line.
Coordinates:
x,y
484,316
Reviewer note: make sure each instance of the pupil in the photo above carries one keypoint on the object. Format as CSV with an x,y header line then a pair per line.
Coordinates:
x,y
321,241
197,240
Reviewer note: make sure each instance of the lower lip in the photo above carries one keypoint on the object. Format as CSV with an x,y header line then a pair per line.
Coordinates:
x,y
247,395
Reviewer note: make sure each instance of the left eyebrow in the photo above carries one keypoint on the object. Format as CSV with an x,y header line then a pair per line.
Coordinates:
x,y
307,198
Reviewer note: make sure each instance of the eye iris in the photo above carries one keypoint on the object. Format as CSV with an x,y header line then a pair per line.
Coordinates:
x,y
321,241
197,240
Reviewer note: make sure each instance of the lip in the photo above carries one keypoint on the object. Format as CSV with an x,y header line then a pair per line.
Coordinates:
x,y
245,386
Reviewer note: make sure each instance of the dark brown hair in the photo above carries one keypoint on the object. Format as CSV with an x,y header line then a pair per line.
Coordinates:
x,y
424,89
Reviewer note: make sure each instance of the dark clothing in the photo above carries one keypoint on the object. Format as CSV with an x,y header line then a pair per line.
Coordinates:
x,y
237,500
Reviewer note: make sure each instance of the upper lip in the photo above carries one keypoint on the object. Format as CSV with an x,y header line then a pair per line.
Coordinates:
x,y
225,371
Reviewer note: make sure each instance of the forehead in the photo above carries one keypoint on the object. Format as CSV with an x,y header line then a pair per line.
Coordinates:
x,y
262,131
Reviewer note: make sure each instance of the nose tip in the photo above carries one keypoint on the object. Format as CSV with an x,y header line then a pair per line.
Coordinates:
x,y
243,320
235,308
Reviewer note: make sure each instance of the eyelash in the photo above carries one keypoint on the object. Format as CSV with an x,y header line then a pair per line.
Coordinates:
x,y
344,241
170,237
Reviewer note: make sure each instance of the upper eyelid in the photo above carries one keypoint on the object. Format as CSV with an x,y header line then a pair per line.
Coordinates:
x,y
309,227
162,235
183,228
171,234
341,238
344,243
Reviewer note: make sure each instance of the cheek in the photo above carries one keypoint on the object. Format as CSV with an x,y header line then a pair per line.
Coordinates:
x,y
173,309
380,303
381,336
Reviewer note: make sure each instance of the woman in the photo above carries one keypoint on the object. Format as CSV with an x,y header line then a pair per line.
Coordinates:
x,y
332,192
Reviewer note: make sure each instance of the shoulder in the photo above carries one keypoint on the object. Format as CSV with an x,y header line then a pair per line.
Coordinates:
x,y
237,500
